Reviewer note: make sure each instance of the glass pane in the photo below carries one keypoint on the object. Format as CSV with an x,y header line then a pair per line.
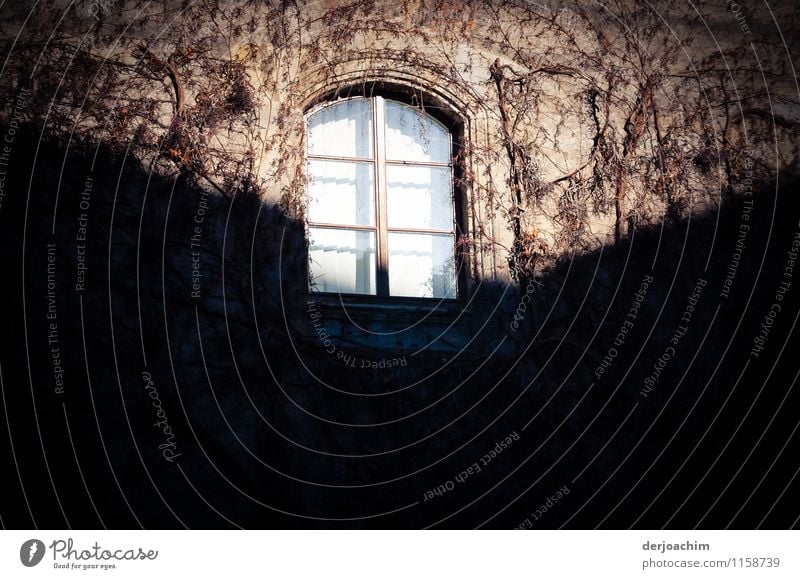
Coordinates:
x,y
341,192
343,129
419,197
411,135
422,265
342,261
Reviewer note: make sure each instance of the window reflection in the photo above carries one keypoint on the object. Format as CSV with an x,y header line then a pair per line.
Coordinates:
x,y
411,135
421,265
342,261
341,192
419,197
342,130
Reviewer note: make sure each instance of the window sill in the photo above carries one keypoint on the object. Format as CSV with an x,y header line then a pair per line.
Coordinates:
x,y
403,306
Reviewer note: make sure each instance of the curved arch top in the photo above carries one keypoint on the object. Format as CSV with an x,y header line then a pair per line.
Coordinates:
x,y
447,108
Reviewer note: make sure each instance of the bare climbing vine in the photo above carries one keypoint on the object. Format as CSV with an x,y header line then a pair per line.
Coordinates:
x,y
590,120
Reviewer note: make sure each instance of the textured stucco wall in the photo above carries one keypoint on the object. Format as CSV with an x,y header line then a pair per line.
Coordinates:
x,y
616,116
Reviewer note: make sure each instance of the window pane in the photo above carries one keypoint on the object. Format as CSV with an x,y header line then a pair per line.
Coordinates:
x,y
422,265
419,197
342,260
341,192
343,129
411,135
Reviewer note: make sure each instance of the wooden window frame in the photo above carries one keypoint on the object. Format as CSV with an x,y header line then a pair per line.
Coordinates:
x,y
381,227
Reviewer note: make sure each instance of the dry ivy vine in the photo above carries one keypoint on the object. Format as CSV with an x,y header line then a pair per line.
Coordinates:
x,y
599,112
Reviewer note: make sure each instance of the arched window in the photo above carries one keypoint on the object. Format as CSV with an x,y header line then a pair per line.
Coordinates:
x,y
381,216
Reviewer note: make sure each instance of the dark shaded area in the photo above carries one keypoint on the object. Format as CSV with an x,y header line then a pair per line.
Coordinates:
x,y
267,427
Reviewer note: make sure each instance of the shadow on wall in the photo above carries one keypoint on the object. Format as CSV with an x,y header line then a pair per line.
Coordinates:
x,y
163,367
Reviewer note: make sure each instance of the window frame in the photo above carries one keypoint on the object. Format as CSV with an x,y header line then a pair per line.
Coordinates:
x,y
381,228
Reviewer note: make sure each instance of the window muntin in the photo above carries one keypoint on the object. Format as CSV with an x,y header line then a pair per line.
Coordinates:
x,y
380,201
